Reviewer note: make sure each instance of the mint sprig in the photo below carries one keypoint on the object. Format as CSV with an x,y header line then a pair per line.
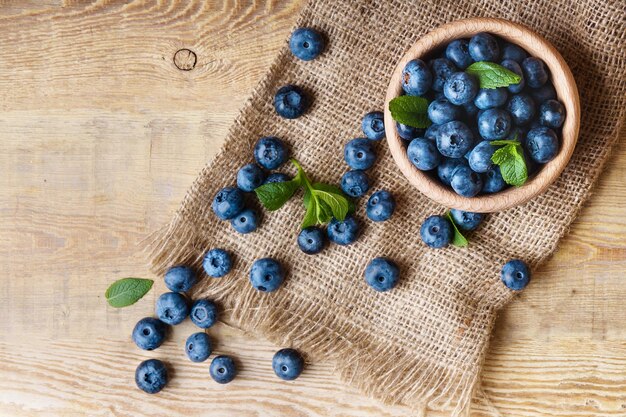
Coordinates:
x,y
127,291
492,75
322,201
510,158
458,239
410,110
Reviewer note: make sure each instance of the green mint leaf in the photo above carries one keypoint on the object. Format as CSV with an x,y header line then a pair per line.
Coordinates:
x,y
334,198
127,291
324,212
410,111
458,239
504,142
510,158
492,75
310,217
274,195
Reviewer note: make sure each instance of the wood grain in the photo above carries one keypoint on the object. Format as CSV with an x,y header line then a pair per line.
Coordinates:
x,y
100,136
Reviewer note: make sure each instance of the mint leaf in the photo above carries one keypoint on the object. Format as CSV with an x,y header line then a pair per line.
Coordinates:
x,y
274,195
458,239
334,198
492,75
127,291
310,217
513,168
504,142
410,111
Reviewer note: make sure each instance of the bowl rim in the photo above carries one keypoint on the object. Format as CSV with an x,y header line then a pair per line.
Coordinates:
x,y
566,91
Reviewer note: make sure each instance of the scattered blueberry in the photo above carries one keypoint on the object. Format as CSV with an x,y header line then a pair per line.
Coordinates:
x,y
343,232
270,152
514,67
382,274
250,177
542,144
441,69
436,231
172,308
494,124
290,102
311,240
373,125
198,347
446,168
441,111
217,263
245,222
493,181
359,153
277,177
454,139
488,98
423,154
355,183
151,376
522,109
461,88
380,206
306,43
203,313
266,275
407,132
223,369
416,78
484,47
480,157
457,51
535,72
227,203
149,333
515,275
466,220
288,364
466,182
552,114
543,93
180,278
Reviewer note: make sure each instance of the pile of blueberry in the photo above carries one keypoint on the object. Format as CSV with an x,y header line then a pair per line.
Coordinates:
x,y
467,119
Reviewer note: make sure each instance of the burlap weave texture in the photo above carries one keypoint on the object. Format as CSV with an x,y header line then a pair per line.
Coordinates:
x,y
424,342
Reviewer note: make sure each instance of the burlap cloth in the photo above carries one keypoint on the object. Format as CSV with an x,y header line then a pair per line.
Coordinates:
x,y
423,343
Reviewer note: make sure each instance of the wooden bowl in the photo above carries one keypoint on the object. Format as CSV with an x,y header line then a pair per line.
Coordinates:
x,y
566,90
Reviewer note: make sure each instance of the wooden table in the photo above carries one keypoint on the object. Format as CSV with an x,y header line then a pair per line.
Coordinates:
x,y
101,134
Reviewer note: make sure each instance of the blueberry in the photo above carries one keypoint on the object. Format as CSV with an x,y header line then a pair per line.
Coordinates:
x,y
484,47
416,78
514,67
149,333
494,124
535,72
311,240
288,364
552,114
431,132
466,220
343,232
291,102
454,139
436,231
480,157
488,98
270,152
382,274
277,177
441,111
457,51
151,376
250,177
217,263
198,347
227,203
380,206
266,275
542,144
180,278
223,369
245,222
470,110
543,93
359,153
466,182
461,88
522,109
446,168
513,52
493,181
203,313
407,132
355,183
306,43
373,125
172,308
515,275
441,69
423,154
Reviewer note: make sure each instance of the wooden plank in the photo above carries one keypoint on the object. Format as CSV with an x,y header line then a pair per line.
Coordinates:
x,y
100,136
